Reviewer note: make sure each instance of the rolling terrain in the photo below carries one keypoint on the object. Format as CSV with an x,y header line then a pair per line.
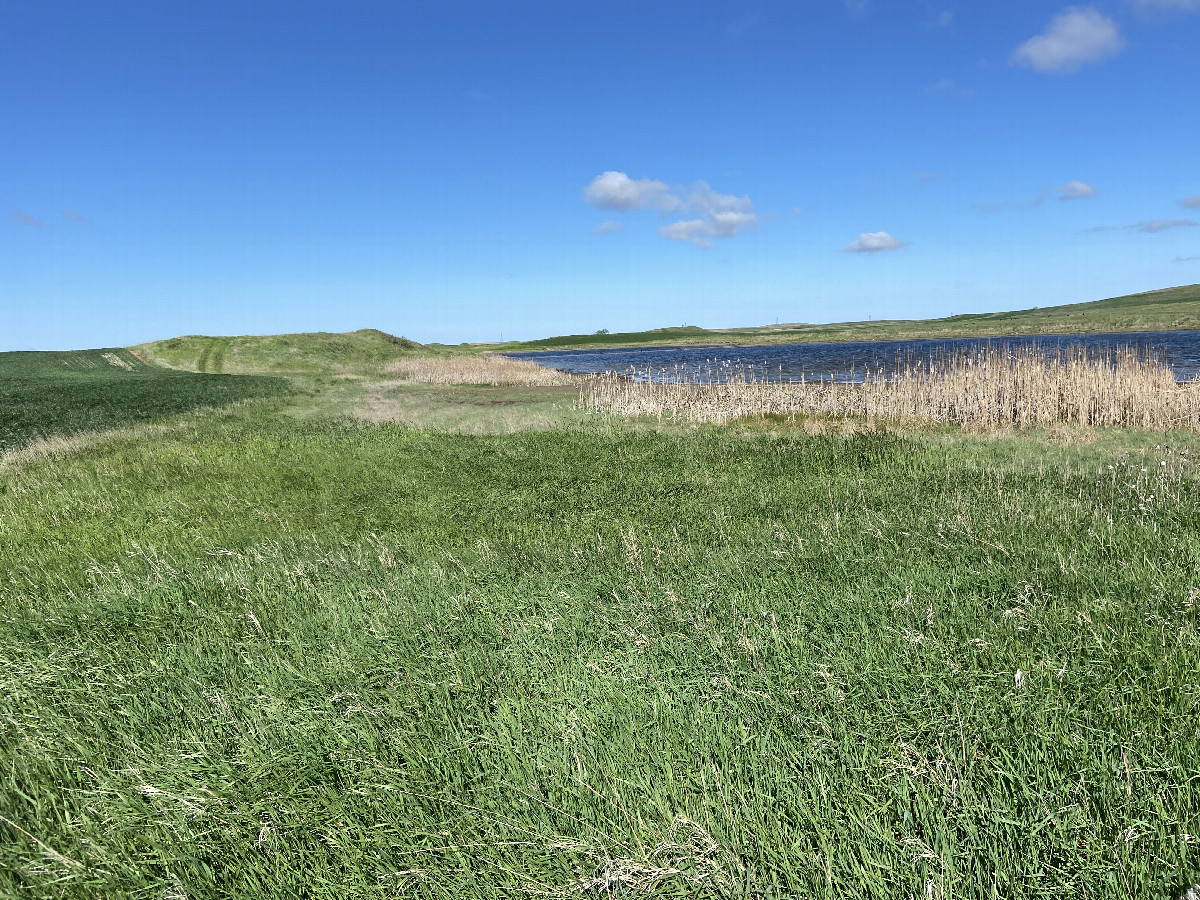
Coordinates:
x,y
1170,309
471,642
311,354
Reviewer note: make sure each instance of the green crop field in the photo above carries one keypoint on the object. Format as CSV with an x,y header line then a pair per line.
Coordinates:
x,y
43,394
271,650
1170,309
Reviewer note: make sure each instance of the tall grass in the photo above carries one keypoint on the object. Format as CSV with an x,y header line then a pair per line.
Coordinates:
x,y
487,368
984,388
255,657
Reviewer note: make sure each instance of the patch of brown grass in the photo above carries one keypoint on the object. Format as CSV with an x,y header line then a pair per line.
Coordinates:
x,y
989,388
487,368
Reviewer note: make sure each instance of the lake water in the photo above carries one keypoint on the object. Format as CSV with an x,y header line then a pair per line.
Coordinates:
x,y
849,360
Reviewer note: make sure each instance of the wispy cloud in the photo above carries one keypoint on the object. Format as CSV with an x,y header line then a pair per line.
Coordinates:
x,y
1075,37
1075,190
856,7
948,88
926,176
1192,202
617,191
72,216
1187,259
743,24
1155,225
942,20
26,219
609,227
1153,6
873,242
1071,190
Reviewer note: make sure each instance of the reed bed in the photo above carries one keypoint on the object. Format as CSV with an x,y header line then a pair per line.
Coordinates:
x,y
487,368
988,387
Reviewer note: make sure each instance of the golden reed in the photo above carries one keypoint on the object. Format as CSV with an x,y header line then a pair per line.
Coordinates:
x,y
987,387
485,368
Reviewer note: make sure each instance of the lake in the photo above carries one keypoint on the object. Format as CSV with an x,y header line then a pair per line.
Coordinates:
x,y
847,361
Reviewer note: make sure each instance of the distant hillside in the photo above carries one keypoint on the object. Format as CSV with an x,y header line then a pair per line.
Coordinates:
x,y
55,393
1170,309
318,353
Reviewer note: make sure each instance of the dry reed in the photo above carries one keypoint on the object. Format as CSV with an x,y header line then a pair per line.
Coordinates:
x,y
486,368
989,387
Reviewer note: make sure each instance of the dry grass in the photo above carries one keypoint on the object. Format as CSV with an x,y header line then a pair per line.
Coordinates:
x,y
487,368
992,387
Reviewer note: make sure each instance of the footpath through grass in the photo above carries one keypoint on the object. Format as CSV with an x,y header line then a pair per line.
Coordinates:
x,y
266,658
44,394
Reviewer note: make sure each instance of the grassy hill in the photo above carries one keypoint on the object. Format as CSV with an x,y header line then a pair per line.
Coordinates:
x,y
1170,309
319,353
44,394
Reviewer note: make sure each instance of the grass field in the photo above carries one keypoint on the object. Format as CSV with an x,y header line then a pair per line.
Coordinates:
x,y
1171,309
306,355
44,394
272,651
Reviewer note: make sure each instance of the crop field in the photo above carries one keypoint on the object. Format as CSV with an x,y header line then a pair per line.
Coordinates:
x,y
44,394
246,652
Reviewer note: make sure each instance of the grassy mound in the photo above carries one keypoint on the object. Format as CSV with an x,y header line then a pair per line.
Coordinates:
x,y
265,658
55,393
1170,309
319,353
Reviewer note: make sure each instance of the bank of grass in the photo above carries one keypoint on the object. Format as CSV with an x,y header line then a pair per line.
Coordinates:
x,y
264,657
354,353
55,394
1169,309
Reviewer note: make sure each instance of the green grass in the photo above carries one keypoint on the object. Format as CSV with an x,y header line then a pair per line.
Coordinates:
x,y
44,394
246,655
318,354
1170,309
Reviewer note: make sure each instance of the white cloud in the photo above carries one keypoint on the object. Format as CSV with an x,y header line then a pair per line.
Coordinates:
x,y
704,199
691,231
727,224
700,232
1076,36
1075,190
874,242
616,190
1155,225
1192,202
714,215
609,227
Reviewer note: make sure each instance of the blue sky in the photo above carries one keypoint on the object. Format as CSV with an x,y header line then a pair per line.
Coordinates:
x,y
467,171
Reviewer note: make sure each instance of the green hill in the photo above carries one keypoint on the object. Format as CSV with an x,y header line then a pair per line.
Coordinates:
x,y
54,393
319,353
1170,309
